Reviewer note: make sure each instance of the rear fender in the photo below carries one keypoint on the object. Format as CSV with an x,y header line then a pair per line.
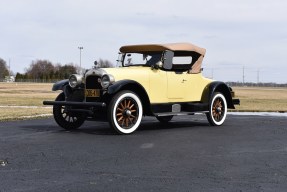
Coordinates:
x,y
217,86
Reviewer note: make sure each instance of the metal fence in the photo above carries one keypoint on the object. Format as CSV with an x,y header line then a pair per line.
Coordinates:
x,y
32,80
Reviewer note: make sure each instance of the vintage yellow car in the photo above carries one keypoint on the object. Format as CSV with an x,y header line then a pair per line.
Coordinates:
x,y
161,80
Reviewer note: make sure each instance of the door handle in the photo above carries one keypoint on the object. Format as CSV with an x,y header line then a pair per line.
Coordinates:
x,y
184,80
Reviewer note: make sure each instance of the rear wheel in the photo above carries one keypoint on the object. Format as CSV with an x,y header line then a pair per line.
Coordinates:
x,y
125,112
217,110
64,118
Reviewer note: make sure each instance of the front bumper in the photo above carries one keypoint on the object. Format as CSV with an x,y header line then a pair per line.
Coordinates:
x,y
95,105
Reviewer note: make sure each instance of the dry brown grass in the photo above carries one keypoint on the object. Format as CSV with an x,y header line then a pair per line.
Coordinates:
x,y
261,99
33,94
24,94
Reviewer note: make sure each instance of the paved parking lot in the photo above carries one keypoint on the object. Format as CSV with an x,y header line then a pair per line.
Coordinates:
x,y
248,153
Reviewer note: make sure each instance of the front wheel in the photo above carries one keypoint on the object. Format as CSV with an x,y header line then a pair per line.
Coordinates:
x,y
125,112
64,118
217,110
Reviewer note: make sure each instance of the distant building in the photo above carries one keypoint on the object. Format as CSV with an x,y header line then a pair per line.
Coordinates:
x,y
9,79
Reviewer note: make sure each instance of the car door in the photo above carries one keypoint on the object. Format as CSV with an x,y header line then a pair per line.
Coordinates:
x,y
158,86
176,86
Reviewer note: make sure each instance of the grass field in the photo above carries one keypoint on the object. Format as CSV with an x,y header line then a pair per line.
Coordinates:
x,y
24,100
266,99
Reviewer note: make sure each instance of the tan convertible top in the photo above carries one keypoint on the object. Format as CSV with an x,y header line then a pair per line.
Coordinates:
x,y
195,68
163,47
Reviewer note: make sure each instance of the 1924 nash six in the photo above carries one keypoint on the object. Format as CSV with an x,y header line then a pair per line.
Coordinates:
x,y
161,80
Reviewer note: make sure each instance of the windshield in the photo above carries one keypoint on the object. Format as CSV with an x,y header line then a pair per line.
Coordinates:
x,y
143,59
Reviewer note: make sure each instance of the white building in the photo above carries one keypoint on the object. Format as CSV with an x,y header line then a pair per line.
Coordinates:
x,y
9,79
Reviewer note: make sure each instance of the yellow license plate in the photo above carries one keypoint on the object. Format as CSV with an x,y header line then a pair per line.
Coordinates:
x,y
92,93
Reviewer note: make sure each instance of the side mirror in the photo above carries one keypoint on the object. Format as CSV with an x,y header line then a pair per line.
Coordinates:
x,y
158,65
167,60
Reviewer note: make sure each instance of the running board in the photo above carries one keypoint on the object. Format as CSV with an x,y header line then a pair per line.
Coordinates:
x,y
179,108
177,114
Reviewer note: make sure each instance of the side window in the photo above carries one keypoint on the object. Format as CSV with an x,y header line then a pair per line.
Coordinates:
x,y
134,59
146,59
182,60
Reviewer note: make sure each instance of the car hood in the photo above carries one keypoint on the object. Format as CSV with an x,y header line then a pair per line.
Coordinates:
x,y
139,74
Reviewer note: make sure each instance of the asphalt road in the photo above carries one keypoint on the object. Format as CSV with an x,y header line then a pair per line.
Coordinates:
x,y
248,153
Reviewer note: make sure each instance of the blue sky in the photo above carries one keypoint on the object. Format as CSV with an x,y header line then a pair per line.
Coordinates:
x,y
236,33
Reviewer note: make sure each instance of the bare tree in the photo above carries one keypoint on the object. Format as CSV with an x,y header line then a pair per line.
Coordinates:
x,y
41,69
3,69
105,64
67,70
46,70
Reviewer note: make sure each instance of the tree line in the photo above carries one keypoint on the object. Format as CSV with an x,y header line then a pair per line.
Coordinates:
x,y
250,84
46,71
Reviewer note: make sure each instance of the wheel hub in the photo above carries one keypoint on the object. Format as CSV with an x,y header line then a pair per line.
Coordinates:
x,y
218,109
127,113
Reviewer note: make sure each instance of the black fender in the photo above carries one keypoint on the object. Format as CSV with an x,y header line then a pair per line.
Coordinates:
x,y
63,86
70,93
135,87
217,86
59,85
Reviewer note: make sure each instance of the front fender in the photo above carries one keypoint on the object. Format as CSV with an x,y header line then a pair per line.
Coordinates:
x,y
217,86
135,87
59,85
119,85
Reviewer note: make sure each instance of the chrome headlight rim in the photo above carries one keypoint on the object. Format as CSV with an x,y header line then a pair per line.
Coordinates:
x,y
75,80
107,80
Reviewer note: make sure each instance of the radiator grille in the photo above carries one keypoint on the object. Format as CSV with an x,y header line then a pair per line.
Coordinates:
x,y
92,82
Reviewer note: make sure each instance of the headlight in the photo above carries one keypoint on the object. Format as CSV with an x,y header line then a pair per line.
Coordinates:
x,y
107,80
75,80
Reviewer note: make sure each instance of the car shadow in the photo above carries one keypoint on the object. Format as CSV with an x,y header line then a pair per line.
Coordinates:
x,y
103,128
171,125
145,127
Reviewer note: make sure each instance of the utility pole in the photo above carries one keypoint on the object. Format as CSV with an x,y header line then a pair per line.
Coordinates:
x,y
258,76
9,68
80,56
243,76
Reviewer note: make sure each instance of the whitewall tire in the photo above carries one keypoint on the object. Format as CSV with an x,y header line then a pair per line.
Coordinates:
x,y
125,112
217,110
